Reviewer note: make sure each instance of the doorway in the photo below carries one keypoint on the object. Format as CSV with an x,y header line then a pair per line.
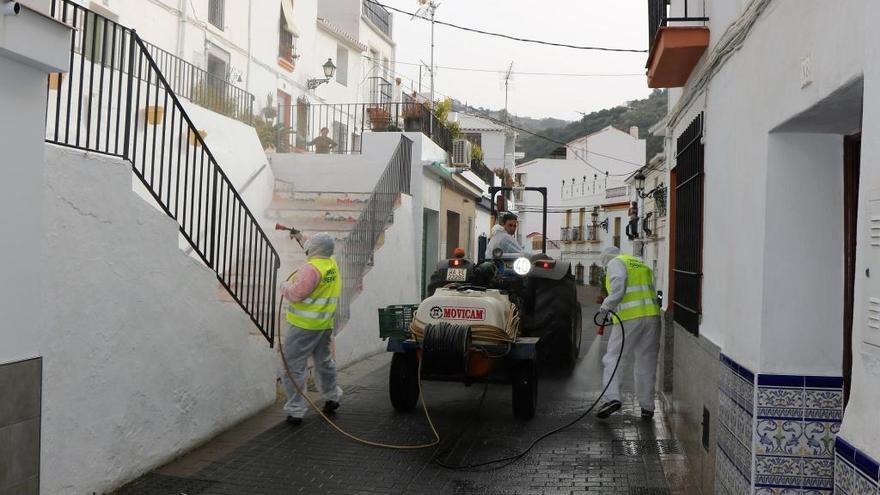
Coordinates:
x,y
453,229
852,146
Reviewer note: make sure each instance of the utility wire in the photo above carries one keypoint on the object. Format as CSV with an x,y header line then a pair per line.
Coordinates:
x,y
507,36
521,73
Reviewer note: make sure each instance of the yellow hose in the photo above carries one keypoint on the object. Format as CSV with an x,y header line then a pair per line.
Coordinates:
x,y
434,443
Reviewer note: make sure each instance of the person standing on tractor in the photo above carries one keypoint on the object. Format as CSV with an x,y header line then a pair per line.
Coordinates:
x,y
502,237
631,294
313,297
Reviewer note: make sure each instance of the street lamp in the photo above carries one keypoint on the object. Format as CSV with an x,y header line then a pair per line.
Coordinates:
x,y
329,70
640,184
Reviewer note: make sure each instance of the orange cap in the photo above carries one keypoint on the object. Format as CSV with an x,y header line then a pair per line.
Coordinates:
x,y
458,252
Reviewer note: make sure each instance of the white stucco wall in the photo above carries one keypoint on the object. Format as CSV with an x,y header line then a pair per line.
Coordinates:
x,y
141,359
347,173
736,158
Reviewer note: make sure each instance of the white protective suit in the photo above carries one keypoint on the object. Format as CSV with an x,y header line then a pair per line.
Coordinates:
x,y
501,239
642,341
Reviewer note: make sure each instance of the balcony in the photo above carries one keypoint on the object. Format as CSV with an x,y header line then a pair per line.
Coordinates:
x,y
380,17
346,123
677,43
211,91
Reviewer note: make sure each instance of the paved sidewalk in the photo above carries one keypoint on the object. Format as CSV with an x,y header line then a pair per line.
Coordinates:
x,y
621,455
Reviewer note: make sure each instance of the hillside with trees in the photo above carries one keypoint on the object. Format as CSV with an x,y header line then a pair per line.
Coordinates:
x,y
642,113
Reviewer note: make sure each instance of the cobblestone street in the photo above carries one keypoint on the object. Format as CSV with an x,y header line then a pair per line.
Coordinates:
x,y
621,455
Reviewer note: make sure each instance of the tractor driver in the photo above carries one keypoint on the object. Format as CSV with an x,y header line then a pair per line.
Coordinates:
x,y
502,237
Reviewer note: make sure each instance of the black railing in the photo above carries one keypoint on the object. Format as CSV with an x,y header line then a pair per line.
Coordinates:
x,y
358,248
380,90
116,101
483,172
203,88
380,17
659,15
688,259
346,123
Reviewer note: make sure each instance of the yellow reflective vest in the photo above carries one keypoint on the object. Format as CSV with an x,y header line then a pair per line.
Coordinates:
x,y
318,311
640,299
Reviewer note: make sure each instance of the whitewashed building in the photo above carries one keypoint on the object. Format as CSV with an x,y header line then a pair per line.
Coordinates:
x,y
593,175
772,292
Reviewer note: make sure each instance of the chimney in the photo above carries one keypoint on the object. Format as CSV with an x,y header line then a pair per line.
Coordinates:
x,y
634,131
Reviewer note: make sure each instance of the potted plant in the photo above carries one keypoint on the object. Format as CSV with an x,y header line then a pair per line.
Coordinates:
x,y
379,119
412,117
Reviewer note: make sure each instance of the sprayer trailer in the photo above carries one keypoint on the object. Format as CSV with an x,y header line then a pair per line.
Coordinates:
x,y
498,321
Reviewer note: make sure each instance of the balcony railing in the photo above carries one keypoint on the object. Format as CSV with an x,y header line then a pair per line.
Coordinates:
x,y
203,88
380,17
659,15
346,124
483,172
572,234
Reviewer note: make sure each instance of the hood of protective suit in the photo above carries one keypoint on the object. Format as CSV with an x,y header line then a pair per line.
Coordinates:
x,y
609,254
321,245
498,228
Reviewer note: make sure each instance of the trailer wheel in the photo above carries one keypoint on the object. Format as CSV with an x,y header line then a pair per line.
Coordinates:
x,y
403,381
525,389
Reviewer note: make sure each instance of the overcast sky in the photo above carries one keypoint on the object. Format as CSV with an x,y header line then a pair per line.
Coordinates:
x,y
613,23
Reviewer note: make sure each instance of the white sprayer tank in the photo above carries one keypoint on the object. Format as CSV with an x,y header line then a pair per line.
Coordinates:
x,y
467,307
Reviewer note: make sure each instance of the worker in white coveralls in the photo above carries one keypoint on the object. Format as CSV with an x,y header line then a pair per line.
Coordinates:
x,y
313,296
631,295
502,237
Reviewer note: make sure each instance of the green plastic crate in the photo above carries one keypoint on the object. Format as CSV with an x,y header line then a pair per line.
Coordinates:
x,y
394,321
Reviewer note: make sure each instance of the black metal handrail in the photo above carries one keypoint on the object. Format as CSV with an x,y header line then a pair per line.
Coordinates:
x,y
116,101
203,88
358,247
659,16
379,16
346,123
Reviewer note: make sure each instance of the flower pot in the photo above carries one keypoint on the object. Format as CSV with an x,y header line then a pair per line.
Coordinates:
x,y
192,137
55,81
155,114
379,119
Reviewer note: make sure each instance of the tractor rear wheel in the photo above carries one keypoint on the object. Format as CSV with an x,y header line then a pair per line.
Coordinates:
x,y
525,389
403,381
556,319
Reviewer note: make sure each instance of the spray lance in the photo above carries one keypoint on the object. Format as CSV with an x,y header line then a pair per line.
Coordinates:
x,y
294,234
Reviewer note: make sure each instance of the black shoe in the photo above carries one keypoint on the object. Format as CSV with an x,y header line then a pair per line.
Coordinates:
x,y
330,407
294,421
608,409
647,414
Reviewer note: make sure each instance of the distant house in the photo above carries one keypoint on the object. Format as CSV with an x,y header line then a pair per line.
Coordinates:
x,y
577,187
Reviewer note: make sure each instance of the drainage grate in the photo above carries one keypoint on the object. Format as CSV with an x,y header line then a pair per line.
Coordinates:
x,y
171,485
645,447
643,490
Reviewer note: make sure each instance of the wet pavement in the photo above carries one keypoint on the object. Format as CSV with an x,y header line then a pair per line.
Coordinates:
x,y
621,455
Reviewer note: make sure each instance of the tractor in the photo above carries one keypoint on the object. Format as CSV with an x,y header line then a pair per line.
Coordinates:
x,y
499,320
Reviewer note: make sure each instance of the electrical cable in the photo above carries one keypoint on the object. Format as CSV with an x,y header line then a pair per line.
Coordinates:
x,y
507,36
508,460
517,73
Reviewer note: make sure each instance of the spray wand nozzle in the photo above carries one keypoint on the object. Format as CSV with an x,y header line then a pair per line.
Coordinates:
x,y
294,234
